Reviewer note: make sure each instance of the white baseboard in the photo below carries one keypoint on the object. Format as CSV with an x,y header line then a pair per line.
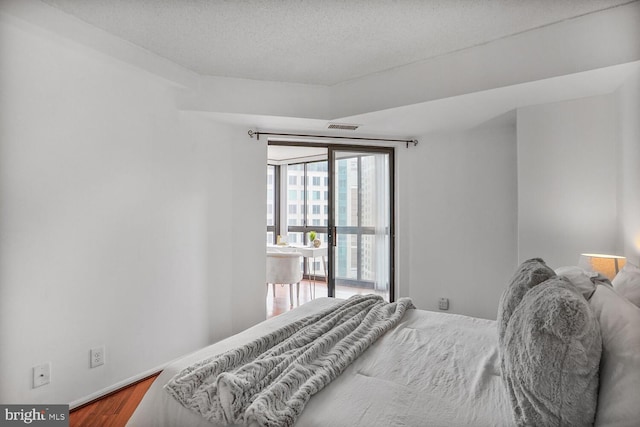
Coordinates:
x,y
100,393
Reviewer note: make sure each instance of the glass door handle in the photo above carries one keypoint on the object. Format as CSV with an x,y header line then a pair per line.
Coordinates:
x,y
334,236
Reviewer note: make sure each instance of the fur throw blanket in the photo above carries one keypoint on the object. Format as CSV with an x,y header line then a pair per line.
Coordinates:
x,y
269,380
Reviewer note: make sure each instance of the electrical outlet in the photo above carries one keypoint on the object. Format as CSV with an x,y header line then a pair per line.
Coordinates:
x,y
97,356
443,304
41,374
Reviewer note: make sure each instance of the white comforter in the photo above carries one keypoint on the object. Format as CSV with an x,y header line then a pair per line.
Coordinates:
x,y
432,369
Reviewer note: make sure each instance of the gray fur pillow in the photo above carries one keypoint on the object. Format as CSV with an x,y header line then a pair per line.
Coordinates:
x,y
529,274
550,357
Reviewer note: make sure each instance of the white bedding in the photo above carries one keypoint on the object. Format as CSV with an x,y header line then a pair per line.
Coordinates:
x,y
432,369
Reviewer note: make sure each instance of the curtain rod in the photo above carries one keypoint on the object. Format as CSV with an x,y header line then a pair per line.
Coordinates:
x,y
407,141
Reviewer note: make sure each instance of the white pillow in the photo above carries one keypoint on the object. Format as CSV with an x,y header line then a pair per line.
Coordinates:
x,y
584,280
618,403
627,283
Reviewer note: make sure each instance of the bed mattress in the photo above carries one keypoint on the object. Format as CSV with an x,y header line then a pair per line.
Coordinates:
x,y
431,369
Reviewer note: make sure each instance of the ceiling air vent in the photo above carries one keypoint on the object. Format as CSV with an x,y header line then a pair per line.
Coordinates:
x,y
343,126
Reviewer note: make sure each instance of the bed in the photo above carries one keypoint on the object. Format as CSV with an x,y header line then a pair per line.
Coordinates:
x,y
430,368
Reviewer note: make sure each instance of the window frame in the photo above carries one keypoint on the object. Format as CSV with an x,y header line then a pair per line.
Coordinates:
x,y
276,202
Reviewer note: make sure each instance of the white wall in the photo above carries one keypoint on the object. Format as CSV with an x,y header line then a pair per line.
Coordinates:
x,y
248,255
462,209
628,103
572,186
403,196
211,169
567,154
118,222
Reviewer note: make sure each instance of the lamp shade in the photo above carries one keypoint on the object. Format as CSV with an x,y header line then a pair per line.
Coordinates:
x,y
607,265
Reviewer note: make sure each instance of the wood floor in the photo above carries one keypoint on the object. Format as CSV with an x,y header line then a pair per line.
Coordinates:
x,y
115,409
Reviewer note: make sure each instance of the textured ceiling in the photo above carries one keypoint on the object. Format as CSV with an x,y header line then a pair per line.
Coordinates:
x,y
315,41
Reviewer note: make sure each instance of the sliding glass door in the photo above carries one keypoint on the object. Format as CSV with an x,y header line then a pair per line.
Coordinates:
x,y
361,221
